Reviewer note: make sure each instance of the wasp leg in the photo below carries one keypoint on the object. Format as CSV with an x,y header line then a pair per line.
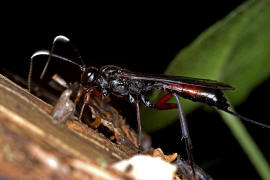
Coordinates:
x,y
86,100
137,104
78,95
161,104
185,134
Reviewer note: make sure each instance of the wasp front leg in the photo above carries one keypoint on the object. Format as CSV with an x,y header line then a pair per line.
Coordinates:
x,y
86,100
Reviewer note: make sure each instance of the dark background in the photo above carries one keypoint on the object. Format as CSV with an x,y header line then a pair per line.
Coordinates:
x,y
145,39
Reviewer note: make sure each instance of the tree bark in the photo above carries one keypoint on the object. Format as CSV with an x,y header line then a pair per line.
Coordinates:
x,y
33,147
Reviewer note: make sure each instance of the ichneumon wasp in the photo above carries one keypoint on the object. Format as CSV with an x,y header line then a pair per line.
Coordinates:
x,y
136,88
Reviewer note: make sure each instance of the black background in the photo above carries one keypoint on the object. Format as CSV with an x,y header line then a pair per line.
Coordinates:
x,y
142,38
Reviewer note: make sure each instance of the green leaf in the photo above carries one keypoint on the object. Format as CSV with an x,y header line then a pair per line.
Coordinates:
x,y
235,51
248,145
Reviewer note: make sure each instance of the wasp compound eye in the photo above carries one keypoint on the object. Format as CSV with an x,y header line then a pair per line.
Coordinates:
x,y
89,76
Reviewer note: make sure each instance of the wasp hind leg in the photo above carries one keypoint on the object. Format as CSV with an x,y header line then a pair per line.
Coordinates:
x,y
163,105
185,135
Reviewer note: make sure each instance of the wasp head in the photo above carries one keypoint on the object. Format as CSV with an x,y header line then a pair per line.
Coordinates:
x,y
89,76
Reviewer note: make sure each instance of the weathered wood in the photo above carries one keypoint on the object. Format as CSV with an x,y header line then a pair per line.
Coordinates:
x,y
34,147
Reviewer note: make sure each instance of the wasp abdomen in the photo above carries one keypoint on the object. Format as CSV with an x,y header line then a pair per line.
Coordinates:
x,y
212,97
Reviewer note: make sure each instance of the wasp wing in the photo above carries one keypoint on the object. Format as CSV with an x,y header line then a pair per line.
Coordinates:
x,y
175,80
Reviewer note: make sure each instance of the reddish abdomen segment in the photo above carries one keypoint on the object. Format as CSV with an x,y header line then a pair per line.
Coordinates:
x,y
212,97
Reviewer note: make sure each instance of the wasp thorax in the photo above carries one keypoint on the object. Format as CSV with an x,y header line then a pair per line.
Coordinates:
x,y
89,76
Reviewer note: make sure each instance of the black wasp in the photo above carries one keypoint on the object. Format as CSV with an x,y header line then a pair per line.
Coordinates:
x,y
136,88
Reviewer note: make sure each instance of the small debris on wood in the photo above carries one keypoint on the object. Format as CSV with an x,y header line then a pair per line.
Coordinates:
x,y
64,108
169,158
145,167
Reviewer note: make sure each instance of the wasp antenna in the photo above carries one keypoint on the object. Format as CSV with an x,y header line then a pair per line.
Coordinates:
x,y
61,38
247,119
64,39
47,53
67,40
57,38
